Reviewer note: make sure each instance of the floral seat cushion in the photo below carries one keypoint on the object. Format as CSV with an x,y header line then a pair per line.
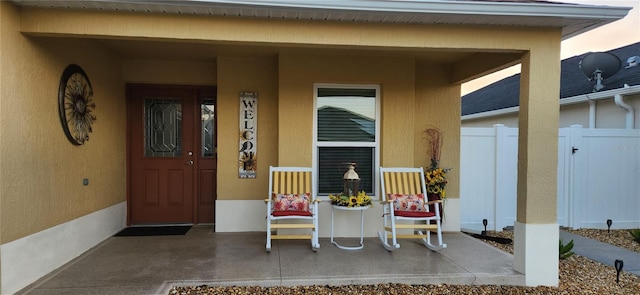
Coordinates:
x,y
409,205
291,204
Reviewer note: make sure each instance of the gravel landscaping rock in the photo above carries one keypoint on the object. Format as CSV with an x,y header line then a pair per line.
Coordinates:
x,y
578,275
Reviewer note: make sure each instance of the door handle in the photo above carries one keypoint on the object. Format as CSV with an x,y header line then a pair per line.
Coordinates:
x,y
190,162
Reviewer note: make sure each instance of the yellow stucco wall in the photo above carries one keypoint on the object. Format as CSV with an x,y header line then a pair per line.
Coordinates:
x,y
298,73
169,72
252,74
7,23
438,105
41,171
538,135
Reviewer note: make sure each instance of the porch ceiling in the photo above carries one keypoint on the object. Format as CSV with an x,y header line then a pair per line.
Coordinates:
x,y
573,19
145,49
467,65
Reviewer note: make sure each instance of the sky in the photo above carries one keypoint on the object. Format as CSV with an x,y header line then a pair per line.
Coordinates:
x,y
613,35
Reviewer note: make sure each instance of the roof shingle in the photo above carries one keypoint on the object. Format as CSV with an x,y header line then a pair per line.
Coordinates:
x,y
506,92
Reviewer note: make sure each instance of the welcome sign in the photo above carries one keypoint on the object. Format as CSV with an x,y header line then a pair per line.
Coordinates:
x,y
248,134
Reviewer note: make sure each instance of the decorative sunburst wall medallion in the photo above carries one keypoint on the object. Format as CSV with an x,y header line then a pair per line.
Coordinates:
x,y
75,104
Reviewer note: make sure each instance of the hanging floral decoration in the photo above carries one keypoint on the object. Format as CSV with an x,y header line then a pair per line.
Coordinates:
x,y
436,177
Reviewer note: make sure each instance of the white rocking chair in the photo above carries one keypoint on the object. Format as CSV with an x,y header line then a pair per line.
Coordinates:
x,y
404,193
291,199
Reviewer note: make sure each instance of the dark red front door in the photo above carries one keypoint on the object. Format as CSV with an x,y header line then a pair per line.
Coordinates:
x,y
171,146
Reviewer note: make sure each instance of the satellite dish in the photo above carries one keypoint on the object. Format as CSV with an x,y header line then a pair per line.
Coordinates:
x,y
633,62
599,66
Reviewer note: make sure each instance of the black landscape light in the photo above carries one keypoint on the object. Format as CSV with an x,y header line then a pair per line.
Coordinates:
x,y
609,222
618,264
484,222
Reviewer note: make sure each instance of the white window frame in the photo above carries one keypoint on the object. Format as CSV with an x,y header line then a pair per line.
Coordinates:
x,y
375,144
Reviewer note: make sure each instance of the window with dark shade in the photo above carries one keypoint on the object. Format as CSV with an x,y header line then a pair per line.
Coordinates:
x,y
346,133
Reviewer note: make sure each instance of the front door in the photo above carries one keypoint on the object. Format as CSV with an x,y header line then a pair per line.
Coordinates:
x,y
171,154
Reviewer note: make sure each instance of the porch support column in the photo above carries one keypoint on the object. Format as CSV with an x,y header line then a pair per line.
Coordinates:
x,y
536,230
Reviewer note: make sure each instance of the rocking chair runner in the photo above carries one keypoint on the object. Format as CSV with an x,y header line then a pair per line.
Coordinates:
x,y
291,199
404,193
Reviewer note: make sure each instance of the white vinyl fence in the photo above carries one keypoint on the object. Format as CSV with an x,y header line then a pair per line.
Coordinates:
x,y
598,177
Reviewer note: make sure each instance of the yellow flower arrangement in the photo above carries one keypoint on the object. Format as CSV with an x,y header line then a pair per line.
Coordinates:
x,y
361,200
436,179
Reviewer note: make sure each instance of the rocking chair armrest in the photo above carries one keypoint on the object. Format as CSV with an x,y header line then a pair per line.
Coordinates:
x,y
267,200
317,201
384,202
434,202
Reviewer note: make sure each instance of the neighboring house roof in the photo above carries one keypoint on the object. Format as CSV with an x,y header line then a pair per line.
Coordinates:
x,y
338,124
573,19
573,82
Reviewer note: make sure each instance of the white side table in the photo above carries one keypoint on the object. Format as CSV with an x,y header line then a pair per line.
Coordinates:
x,y
344,208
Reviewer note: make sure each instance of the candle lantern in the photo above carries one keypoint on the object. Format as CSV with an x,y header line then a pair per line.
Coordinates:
x,y
351,181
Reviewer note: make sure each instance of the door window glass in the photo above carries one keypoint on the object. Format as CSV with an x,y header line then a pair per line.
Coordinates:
x,y
162,127
208,128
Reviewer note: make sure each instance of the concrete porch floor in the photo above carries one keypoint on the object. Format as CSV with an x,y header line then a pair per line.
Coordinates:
x,y
152,265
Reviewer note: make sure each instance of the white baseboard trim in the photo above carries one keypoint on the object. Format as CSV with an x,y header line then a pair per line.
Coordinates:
x,y
28,259
240,216
451,215
536,253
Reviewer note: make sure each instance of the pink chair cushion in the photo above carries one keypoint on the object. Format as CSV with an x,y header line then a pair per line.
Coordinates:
x,y
291,202
407,202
